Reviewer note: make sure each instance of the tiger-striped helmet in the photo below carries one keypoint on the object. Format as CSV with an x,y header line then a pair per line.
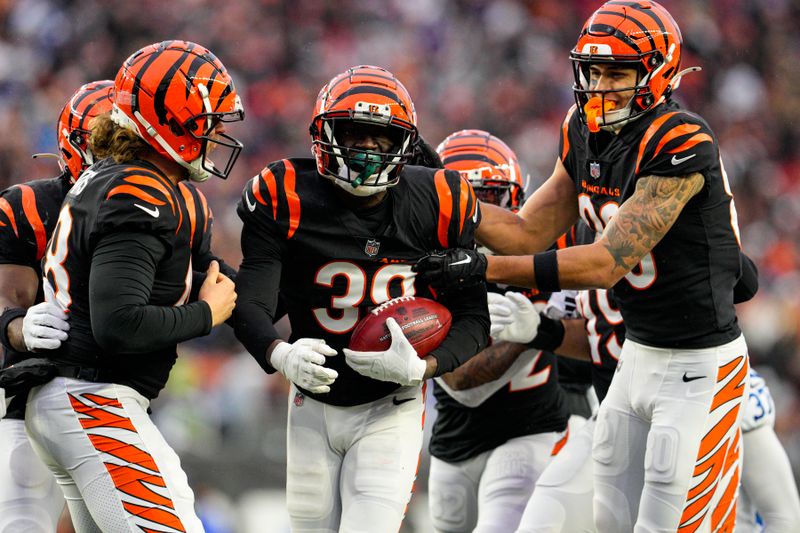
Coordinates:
x,y
175,94
638,34
74,122
488,164
363,95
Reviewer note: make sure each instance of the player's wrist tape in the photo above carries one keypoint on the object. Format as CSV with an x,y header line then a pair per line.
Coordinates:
x,y
549,334
8,315
545,270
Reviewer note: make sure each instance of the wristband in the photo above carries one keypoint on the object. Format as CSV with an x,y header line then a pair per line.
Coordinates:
x,y
545,271
549,334
9,314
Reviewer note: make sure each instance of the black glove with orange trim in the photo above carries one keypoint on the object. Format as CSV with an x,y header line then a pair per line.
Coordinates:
x,y
456,266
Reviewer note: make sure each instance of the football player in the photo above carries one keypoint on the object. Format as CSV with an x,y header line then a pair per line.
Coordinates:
x,y
501,414
337,235
647,175
120,264
30,500
768,487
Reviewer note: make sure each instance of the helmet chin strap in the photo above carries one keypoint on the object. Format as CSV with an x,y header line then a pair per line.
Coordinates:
x,y
366,165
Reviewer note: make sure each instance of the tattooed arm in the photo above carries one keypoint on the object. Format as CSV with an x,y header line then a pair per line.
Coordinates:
x,y
479,378
641,222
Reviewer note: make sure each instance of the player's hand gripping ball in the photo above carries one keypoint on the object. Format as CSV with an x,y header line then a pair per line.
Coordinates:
x,y
425,324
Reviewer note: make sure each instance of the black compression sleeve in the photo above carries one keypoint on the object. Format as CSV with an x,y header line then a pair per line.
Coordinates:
x,y
747,286
120,283
469,333
257,286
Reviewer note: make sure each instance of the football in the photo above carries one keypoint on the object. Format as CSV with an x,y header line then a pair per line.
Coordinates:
x,y
424,322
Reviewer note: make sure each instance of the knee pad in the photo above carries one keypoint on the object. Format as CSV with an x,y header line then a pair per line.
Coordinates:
x,y
661,457
27,524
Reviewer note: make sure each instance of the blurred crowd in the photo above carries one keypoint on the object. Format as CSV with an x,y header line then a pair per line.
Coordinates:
x,y
497,65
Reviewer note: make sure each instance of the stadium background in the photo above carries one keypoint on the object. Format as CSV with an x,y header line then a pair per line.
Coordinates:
x,y
497,65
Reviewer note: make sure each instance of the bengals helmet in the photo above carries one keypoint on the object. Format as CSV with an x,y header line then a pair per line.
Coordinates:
x,y
638,34
74,125
491,167
363,96
174,94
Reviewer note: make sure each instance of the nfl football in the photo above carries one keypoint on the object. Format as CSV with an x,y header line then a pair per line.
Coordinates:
x,y
424,322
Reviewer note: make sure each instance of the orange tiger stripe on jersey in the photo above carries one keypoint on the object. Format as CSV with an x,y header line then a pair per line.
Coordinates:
x,y
123,450
206,213
157,516
713,438
134,191
6,208
99,417
674,133
649,135
445,207
291,197
463,201
152,182
269,180
190,207
697,139
565,131
32,214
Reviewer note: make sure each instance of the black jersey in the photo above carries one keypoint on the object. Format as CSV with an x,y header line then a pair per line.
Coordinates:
x,y
134,198
28,214
532,402
336,264
606,332
681,294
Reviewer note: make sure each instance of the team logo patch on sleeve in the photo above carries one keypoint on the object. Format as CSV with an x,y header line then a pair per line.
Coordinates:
x,y
372,247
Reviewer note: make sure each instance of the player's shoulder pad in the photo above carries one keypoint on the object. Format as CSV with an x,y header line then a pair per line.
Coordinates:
x,y
272,196
138,198
200,215
676,143
28,211
458,211
570,127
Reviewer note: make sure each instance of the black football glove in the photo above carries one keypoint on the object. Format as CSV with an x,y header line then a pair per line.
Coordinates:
x,y
456,266
425,155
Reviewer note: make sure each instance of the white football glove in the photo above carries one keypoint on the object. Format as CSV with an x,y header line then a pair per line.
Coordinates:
x,y
514,318
301,363
399,364
44,327
562,304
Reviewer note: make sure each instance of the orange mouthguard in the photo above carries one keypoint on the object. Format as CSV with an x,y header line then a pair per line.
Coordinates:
x,y
594,109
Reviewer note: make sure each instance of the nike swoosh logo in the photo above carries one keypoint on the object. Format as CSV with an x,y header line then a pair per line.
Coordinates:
x,y
250,206
467,260
687,379
676,161
399,401
152,212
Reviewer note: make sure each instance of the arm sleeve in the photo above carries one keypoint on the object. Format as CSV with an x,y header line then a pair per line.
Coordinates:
x,y
257,286
120,282
469,332
747,286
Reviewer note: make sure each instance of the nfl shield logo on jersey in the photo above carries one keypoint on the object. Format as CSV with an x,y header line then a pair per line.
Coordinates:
x,y
372,247
299,399
594,169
